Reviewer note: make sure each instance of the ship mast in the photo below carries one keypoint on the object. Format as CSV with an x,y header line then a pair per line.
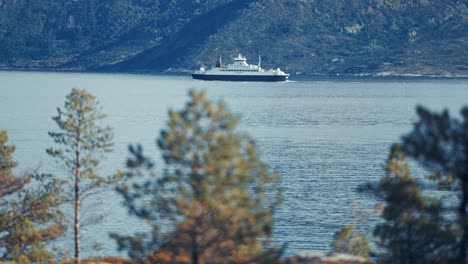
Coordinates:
x,y
259,60
219,63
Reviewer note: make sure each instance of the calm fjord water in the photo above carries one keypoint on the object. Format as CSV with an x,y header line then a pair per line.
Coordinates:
x,y
324,137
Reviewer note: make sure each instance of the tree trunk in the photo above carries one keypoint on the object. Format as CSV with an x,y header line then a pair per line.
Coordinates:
x,y
409,243
194,248
77,221
463,204
464,224
77,200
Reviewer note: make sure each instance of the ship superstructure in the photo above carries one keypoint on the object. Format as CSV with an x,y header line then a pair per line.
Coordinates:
x,y
240,70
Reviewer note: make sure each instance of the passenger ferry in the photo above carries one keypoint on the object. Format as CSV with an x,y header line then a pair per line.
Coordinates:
x,y
240,70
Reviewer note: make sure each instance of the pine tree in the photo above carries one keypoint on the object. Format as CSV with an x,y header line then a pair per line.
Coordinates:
x,y
413,230
83,142
440,143
216,195
349,240
29,217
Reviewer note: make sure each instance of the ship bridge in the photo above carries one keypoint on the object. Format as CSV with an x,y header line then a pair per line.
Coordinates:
x,y
240,58
240,62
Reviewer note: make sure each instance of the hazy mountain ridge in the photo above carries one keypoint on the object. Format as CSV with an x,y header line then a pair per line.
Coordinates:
x,y
381,37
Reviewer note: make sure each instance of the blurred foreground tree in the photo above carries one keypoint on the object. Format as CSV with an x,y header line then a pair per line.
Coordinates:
x,y
28,214
413,230
216,197
440,144
83,143
349,240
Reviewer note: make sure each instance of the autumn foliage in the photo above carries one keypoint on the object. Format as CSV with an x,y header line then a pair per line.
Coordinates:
x,y
28,211
215,194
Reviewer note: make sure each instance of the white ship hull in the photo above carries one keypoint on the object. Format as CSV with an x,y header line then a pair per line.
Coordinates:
x,y
240,71
240,78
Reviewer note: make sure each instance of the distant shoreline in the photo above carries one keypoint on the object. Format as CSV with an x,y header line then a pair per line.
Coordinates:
x,y
298,77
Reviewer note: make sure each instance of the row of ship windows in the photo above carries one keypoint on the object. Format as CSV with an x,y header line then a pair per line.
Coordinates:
x,y
240,70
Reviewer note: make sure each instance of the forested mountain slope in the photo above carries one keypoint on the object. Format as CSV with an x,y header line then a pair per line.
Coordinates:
x,y
423,37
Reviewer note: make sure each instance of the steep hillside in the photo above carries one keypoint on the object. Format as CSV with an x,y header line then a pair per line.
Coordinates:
x,y
175,51
383,37
82,34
